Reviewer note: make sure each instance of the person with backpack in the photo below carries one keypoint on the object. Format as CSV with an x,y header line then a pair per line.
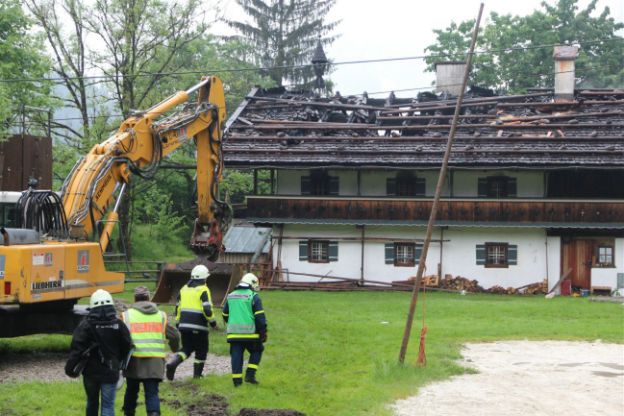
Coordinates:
x,y
99,347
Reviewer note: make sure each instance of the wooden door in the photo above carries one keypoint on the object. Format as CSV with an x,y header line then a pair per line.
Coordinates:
x,y
578,256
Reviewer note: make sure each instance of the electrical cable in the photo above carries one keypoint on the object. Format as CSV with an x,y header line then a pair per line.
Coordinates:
x,y
300,66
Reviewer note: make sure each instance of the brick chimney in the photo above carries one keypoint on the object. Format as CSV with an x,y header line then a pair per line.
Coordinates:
x,y
449,76
565,57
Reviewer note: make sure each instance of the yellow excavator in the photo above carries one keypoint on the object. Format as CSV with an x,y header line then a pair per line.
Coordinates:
x,y
56,257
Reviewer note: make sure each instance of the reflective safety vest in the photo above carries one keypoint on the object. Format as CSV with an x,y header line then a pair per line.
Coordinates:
x,y
241,320
147,332
191,314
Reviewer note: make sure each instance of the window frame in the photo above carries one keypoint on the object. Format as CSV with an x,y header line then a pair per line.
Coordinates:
x,y
505,247
604,264
411,263
325,244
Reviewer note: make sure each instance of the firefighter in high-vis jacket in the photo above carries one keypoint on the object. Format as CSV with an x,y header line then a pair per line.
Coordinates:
x,y
194,314
246,328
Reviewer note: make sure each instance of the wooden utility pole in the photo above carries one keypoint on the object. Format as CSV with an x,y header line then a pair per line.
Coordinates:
x,y
438,192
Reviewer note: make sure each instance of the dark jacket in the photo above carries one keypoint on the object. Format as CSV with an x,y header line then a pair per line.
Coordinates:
x,y
102,326
151,367
257,309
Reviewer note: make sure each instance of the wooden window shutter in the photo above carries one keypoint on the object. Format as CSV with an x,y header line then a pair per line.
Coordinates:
x,y
332,250
417,252
420,185
482,188
306,185
303,250
512,187
389,248
512,255
334,185
391,188
480,254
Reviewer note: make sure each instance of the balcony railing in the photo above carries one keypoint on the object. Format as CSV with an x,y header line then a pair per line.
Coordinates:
x,y
461,210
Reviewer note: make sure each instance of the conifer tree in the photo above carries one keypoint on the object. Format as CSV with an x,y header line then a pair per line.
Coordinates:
x,y
282,35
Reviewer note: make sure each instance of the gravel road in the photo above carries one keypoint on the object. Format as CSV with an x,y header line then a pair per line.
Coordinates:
x,y
49,366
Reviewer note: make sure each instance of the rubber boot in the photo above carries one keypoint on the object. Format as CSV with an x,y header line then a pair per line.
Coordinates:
x,y
198,368
250,376
172,364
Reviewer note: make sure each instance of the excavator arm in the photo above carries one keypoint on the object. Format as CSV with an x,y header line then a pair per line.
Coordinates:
x,y
99,179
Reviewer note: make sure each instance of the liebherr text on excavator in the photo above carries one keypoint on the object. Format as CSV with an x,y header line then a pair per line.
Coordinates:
x,y
56,257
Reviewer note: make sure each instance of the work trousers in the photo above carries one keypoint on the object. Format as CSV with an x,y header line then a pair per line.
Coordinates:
x,y
194,341
93,388
237,351
150,389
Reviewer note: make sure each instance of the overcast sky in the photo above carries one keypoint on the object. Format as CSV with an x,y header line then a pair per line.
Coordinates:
x,y
372,29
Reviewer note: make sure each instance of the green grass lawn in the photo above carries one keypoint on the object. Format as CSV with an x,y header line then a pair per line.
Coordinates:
x,y
336,353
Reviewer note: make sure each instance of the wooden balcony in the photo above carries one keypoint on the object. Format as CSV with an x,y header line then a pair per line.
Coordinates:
x,y
450,210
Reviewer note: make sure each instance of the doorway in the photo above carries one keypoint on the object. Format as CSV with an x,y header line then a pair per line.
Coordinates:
x,y
578,255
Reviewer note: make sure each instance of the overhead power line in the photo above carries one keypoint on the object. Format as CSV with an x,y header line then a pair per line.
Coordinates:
x,y
268,68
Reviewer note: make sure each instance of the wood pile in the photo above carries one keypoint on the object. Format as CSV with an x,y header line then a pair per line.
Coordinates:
x,y
460,283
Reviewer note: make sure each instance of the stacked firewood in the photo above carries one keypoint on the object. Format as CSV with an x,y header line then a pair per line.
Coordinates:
x,y
540,288
460,283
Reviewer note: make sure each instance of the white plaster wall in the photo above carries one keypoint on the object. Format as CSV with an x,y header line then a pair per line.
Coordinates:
x,y
289,181
554,261
347,181
459,254
601,276
530,183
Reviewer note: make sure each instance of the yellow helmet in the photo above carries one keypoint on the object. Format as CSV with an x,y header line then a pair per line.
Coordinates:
x,y
251,280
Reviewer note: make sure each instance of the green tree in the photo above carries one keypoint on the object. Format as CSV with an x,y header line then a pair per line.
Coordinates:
x,y
282,34
21,59
599,63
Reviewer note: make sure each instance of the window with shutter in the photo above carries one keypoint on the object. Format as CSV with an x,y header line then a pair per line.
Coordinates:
x,y
497,187
512,255
420,185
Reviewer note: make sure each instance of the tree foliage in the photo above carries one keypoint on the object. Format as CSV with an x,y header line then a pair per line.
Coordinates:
x,y
282,35
524,66
21,58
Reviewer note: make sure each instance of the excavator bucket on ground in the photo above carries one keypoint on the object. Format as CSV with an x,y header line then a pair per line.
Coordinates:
x,y
223,278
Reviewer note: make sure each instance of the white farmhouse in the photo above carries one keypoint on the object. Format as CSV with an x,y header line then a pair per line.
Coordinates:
x,y
535,188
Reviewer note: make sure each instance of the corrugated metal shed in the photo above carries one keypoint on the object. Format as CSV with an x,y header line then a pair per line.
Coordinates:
x,y
246,239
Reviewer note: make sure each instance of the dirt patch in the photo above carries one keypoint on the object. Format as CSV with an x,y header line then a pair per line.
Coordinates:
x,y
523,377
207,404
269,412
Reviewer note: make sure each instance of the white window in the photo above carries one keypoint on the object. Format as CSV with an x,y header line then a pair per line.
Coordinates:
x,y
605,256
319,251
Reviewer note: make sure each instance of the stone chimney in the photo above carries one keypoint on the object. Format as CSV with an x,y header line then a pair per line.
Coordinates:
x,y
565,74
449,76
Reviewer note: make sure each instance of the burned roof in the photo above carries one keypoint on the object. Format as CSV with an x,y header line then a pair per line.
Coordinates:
x,y
278,128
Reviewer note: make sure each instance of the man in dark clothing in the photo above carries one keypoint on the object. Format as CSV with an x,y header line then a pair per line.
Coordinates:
x,y
100,375
246,328
149,329
194,314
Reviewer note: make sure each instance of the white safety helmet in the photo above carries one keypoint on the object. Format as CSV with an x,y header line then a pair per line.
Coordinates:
x,y
251,280
100,298
200,272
